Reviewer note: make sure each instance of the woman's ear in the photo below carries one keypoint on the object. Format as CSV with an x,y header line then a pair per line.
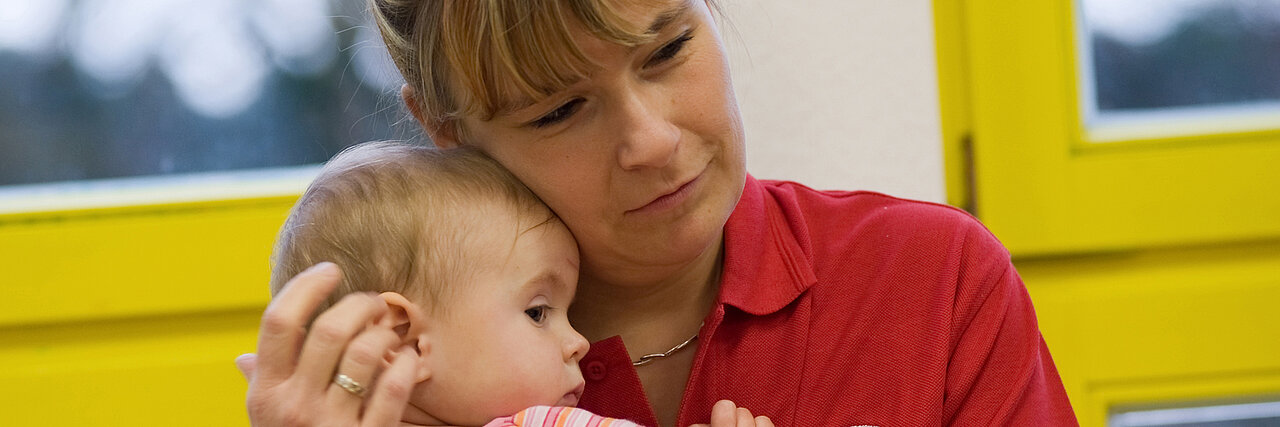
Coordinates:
x,y
443,135
411,324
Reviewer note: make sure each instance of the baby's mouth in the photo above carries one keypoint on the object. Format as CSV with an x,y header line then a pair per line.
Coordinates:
x,y
572,397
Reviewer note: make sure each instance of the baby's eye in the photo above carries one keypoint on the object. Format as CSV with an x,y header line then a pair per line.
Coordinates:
x,y
538,314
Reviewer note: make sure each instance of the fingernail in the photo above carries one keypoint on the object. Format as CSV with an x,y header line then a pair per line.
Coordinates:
x,y
325,267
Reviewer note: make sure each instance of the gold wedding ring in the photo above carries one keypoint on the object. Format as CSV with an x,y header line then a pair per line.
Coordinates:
x,y
348,384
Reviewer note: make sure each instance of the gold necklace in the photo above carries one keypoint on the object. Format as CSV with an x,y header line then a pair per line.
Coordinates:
x,y
649,358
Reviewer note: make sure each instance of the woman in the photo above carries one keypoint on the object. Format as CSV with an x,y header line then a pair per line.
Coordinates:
x,y
812,308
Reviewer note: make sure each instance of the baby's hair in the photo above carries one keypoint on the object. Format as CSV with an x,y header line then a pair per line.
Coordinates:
x,y
395,217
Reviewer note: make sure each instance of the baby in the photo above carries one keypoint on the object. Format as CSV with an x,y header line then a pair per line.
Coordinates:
x,y
467,260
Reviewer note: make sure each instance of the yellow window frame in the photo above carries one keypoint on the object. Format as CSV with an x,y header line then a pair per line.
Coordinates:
x,y
132,315
1038,181
1154,264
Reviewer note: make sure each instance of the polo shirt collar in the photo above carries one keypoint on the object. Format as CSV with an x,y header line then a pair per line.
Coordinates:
x,y
766,253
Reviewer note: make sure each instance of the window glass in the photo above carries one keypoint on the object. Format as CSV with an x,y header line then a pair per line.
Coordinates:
x,y
1240,415
1177,67
109,89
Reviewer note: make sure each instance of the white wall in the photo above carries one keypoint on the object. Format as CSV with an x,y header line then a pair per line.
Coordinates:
x,y
839,94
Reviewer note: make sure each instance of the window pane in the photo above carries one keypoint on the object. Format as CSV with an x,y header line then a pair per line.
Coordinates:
x,y
95,89
1170,61
1241,415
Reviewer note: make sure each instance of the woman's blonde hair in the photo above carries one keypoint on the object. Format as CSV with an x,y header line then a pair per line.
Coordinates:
x,y
474,57
396,217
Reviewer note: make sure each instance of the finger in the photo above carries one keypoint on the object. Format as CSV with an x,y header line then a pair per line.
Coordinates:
x,y
284,321
724,414
360,363
763,421
331,333
745,419
391,392
246,364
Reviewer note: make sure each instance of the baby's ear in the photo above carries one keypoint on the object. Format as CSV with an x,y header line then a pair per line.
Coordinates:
x,y
411,324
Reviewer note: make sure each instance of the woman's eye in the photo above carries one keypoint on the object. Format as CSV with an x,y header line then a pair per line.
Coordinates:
x,y
558,115
670,50
538,314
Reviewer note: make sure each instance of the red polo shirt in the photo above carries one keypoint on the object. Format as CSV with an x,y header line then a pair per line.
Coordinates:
x,y
853,308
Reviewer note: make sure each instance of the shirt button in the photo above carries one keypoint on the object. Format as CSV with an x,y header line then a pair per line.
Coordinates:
x,y
596,370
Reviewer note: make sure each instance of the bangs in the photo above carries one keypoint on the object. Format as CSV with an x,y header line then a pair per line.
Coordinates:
x,y
504,54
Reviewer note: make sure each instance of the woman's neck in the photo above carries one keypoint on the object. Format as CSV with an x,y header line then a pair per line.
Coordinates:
x,y
649,313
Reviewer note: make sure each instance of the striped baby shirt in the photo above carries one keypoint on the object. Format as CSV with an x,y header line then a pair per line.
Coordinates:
x,y
558,416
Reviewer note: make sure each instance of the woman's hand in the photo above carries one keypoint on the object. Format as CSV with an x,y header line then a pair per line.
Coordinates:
x,y
727,414
291,380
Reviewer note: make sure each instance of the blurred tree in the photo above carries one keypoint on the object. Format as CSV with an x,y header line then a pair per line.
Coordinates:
x,y
1224,54
58,124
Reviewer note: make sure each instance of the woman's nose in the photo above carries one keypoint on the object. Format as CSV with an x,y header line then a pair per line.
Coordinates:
x,y
648,138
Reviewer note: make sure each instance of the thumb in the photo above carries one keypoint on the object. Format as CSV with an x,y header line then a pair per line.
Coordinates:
x,y
724,414
247,363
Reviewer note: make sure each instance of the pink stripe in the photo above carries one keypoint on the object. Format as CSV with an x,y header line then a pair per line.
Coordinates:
x,y
545,415
559,416
571,417
593,420
579,418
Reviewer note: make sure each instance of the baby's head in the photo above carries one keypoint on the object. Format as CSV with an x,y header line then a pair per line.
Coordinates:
x,y
477,272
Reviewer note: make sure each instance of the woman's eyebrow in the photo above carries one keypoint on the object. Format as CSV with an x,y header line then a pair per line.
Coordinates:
x,y
667,17
660,23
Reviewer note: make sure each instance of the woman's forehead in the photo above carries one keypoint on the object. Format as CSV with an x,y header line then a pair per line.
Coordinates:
x,y
546,52
662,14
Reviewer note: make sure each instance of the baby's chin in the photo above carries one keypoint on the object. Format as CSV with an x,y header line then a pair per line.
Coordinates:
x,y
415,415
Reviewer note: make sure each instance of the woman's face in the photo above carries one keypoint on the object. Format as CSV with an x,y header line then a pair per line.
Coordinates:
x,y
643,159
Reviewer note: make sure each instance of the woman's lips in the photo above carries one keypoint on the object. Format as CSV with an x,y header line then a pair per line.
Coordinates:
x,y
666,201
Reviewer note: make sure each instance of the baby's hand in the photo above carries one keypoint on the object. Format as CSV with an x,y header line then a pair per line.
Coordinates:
x,y
726,414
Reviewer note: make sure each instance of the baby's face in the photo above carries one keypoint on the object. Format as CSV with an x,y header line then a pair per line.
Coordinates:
x,y
506,343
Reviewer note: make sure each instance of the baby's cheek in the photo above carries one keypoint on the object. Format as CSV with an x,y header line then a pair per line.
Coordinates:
x,y
453,397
